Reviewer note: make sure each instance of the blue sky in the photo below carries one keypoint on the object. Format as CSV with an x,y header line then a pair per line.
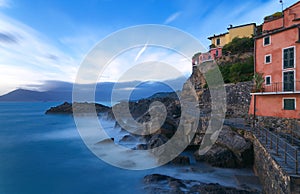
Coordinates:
x,y
47,40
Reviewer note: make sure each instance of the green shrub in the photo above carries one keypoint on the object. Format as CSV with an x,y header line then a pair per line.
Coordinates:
x,y
238,46
238,72
273,16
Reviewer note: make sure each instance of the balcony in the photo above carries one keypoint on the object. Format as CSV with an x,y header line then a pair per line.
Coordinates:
x,y
277,88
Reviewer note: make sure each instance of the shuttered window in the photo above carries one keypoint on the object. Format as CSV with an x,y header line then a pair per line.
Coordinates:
x,y
289,104
288,58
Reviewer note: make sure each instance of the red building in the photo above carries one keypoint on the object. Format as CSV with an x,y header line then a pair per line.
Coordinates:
x,y
277,58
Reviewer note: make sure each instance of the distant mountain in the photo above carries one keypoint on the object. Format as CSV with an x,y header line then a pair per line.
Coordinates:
x,y
28,95
62,91
173,95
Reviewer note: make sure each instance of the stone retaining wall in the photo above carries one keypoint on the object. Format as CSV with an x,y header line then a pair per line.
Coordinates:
x,y
272,177
277,124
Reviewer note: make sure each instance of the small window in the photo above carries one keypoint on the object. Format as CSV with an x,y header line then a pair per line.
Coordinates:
x,y
267,40
289,104
217,53
268,59
288,58
218,41
268,80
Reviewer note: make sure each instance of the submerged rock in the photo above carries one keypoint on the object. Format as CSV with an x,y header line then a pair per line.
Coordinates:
x,y
128,138
181,160
157,183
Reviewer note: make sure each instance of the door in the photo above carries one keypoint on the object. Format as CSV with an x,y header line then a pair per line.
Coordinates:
x,y
288,81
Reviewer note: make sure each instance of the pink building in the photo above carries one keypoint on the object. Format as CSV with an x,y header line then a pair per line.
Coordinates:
x,y
277,58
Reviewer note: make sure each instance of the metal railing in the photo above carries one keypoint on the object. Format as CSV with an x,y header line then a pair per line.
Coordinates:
x,y
281,148
279,87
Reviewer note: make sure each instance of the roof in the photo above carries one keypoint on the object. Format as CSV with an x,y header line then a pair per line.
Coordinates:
x,y
243,25
291,6
239,26
219,35
276,31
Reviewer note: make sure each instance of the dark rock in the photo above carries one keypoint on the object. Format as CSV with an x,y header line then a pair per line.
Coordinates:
x,y
128,138
142,147
68,108
111,140
156,141
218,156
214,188
157,183
231,150
181,160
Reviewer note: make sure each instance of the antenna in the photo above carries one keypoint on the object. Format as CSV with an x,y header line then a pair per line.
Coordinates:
x,y
281,1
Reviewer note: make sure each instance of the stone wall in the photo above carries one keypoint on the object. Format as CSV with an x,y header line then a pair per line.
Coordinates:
x,y
278,125
272,177
237,95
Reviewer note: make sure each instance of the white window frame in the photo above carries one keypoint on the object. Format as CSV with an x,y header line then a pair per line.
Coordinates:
x,y
266,80
294,58
293,98
269,55
264,40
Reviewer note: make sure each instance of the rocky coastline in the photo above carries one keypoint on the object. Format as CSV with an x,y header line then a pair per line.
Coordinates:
x,y
231,149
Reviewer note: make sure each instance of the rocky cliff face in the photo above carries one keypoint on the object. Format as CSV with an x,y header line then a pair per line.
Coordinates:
x,y
237,95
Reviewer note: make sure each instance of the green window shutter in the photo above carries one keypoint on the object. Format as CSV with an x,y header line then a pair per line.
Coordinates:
x,y
289,104
288,58
285,58
291,57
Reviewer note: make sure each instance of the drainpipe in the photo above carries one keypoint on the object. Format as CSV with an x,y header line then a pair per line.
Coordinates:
x,y
282,13
254,97
254,110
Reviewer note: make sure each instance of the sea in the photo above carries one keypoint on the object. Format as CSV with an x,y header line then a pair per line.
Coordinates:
x,y
42,153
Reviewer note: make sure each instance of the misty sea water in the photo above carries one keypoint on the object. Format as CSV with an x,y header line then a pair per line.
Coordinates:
x,y
44,154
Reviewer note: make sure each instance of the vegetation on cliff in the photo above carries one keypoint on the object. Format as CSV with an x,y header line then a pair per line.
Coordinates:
x,y
238,46
237,63
238,72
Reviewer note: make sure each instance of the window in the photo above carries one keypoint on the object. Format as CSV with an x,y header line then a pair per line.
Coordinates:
x,y
288,57
268,80
267,40
217,53
288,81
268,59
289,104
218,41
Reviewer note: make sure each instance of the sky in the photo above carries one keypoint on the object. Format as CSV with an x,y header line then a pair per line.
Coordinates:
x,y
49,39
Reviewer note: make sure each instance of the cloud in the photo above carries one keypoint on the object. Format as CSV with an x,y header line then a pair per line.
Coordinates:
x,y
28,57
4,3
156,63
172,17
7,38
141,52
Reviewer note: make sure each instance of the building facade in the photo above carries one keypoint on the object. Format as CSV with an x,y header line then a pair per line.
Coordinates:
x,y
277,59
218,41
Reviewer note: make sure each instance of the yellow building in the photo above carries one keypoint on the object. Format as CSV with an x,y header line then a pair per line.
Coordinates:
x,y
246,30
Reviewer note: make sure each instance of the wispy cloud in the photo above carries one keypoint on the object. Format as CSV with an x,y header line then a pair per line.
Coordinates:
x,y
155,63
4,3
28,57
141,52
172,17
